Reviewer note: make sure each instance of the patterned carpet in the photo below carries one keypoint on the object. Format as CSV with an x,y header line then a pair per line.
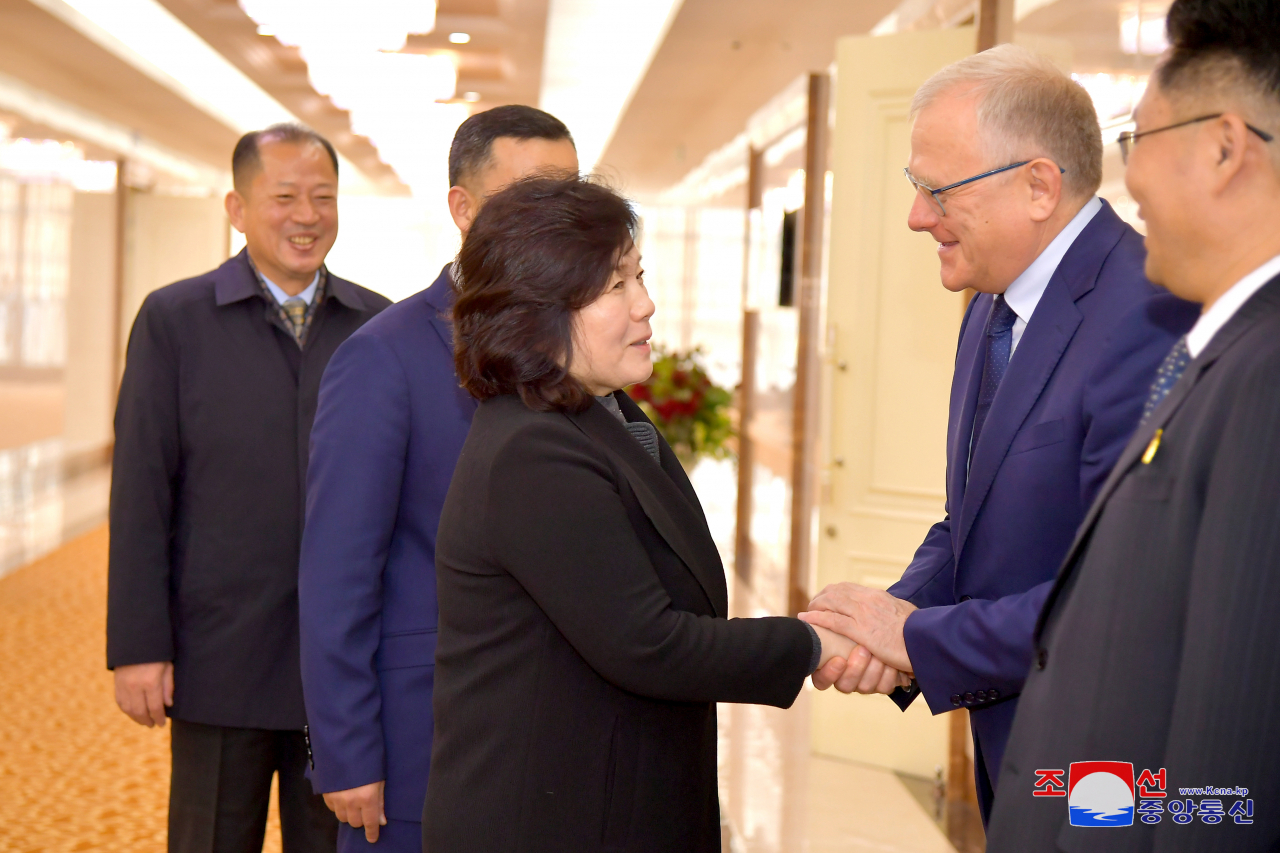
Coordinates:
x,y
76,774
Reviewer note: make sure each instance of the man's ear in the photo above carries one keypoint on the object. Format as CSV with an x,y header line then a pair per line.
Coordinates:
x,y
463,207
234,204
1230,141
1045,184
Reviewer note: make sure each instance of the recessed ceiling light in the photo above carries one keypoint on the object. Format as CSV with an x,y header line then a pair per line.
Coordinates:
x,y
459,38
471,97
265,31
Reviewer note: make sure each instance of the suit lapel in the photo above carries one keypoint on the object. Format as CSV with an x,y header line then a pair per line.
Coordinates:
x,y
964,402
439,301
1045,339
440,297
669,463
1262,303
665,495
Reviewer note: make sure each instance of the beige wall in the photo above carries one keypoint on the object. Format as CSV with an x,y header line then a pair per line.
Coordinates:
x,y
168,239
91,311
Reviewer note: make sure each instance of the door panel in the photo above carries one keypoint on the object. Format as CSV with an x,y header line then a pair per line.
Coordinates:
x,y
891,350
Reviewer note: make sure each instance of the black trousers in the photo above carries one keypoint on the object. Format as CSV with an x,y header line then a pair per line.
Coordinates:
x,y
221,787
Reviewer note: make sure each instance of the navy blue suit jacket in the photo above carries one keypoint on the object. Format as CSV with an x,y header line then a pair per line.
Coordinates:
x,y
390,425
1071,397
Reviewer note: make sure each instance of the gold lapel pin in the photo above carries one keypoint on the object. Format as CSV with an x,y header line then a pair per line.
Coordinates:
x,y
1150,452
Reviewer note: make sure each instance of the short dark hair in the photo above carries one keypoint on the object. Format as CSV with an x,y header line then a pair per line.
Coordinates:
x,y
1223,43
473,141
246,159
539,251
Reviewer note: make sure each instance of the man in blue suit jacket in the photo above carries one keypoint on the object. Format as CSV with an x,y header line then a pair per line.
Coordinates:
x,y
390,425
1056,356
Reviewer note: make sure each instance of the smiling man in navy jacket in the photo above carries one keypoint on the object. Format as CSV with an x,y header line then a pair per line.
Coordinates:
x,y
390,425
216,404
1056,356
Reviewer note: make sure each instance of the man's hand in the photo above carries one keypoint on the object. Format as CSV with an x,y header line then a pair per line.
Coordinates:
x,y
871,617
862,673
144,690
360,807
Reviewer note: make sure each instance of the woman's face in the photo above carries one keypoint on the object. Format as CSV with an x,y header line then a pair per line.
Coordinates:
x,y
611,341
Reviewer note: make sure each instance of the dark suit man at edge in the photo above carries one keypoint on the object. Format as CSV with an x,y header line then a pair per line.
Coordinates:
x,y
390,426
1160,643
207,501
1055,357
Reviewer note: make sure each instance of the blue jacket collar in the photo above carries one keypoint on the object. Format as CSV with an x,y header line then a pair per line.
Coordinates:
x,y
441,293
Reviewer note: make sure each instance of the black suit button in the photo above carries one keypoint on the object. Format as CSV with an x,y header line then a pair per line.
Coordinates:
x,y
982,695
966,597
955,700
968,698
1042,658
993,695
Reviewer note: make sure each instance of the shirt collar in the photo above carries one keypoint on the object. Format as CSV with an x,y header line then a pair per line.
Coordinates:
x,y
307,295
1024,294
1228,304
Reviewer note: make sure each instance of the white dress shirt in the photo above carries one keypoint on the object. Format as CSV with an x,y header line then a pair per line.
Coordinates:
x,y
1228,304
1024,294
307,296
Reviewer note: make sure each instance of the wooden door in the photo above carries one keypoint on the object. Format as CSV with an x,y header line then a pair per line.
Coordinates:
x,y
891,339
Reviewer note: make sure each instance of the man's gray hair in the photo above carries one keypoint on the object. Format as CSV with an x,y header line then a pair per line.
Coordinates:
x,y
1027,108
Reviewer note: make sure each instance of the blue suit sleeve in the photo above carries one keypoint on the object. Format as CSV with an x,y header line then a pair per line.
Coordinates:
x,y
929,580
358,448
974,645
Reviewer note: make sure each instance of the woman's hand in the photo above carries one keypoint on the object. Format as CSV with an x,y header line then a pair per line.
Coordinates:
x,y
833,645
853,667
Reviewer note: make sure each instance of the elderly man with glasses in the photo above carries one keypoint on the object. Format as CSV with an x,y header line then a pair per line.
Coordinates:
x,y
1056,354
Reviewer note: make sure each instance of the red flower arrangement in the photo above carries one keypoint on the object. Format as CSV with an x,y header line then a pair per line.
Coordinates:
x,y
684,404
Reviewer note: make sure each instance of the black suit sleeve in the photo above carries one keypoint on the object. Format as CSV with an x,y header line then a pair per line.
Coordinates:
x,y
561,529
144,474
1223,729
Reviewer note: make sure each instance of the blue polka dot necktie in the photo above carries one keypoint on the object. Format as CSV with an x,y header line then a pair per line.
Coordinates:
x,y
999,347
1171,370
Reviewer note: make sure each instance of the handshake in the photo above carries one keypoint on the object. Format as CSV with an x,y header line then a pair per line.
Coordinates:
x,y
871,654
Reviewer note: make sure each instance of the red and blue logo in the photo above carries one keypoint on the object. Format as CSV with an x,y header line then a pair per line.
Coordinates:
x,y
1100,793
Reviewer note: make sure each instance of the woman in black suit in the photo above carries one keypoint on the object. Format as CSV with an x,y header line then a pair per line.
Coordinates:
x,y
583,634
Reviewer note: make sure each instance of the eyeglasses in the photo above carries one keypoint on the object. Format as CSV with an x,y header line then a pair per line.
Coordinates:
x,y
1128,137
930,195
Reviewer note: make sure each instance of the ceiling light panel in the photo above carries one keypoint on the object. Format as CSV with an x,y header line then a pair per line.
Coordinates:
x,y
342,25
393,98
148,37
595,56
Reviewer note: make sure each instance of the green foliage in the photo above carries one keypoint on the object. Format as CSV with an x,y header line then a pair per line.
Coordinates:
x,y
690,411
